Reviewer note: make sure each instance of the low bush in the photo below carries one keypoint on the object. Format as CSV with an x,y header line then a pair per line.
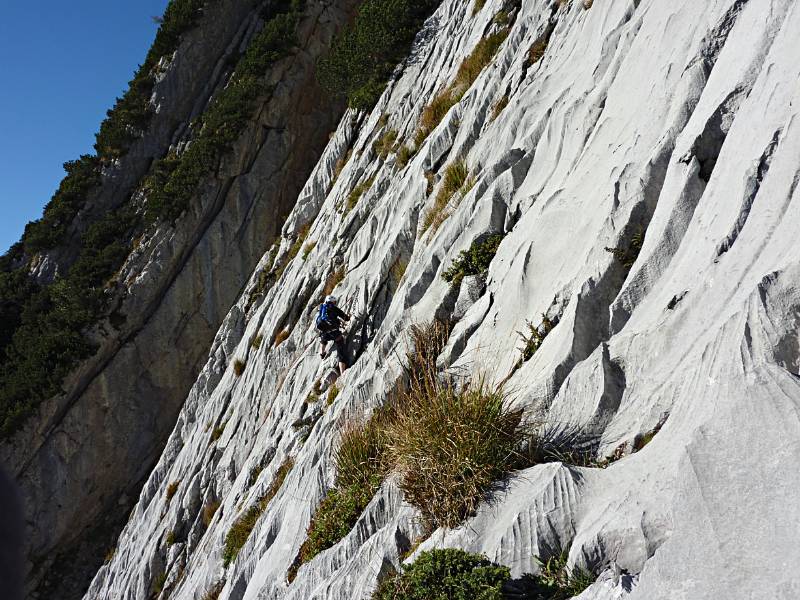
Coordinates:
x,y
457,182
363,56
478,6
243,526
448,574
171,538
474,261
468,72
534,338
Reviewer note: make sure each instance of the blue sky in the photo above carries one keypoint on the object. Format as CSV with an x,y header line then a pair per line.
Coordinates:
x,y
62,64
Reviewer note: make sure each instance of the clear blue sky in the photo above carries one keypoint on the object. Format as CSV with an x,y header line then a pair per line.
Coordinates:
x,y
62,64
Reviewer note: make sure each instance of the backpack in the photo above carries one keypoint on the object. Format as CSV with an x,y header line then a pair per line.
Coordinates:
x,y
325,322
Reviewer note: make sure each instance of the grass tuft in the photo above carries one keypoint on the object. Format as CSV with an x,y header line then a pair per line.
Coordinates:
x,y
209,510
386,144
355,194
308,248
499,107
334,278
558,582
333,391
456,180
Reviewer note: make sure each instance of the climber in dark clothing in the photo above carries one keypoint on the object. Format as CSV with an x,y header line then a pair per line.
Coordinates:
x,y
329,325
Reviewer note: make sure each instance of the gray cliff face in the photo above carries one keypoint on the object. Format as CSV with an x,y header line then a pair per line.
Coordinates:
x,y
671,123
82,461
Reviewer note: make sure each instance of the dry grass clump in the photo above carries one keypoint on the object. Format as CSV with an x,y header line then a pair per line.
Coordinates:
x,y
280,337
499,107
468,72
451,444
217,432
171,489
340,165
355,194
477,6
243,526
556,581
334,278
238,367
171,538
313,395
398,270
457,181
257,340
404,154
209,510
333,391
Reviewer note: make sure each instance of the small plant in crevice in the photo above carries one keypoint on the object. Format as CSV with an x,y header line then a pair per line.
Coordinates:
x,y
340,165
474,261
171,538
398,270
499,107
446,574
238,367
158,582
626,255
243,526
110,555
468,72
556,581
404,154
257,341
307,249
314,394
213,591
477,6
456,184
533,339
172,488
217,432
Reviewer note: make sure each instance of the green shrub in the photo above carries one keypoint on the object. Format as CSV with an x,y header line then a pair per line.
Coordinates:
x,y
468,72
449,574
477,6
243,526
457,180
171,538
474,261
238,367
362,57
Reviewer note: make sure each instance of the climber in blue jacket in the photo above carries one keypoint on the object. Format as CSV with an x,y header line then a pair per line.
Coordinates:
x,y
329,323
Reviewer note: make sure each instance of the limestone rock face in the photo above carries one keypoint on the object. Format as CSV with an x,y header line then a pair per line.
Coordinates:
x,y
666,132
